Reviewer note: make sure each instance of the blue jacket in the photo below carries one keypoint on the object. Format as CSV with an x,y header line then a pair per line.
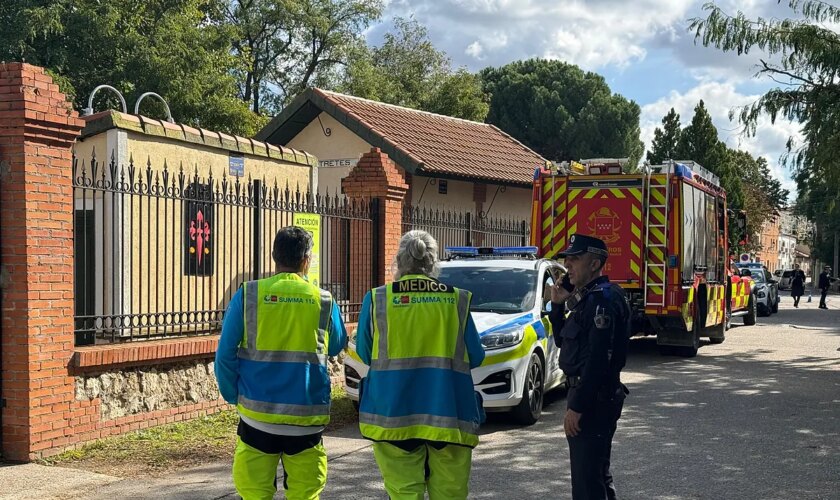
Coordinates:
x,y
230,370
432,391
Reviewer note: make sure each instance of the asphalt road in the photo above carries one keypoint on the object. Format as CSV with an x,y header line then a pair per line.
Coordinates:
x,y
755,417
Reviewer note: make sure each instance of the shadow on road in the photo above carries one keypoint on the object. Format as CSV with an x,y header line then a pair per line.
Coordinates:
x,y
734,425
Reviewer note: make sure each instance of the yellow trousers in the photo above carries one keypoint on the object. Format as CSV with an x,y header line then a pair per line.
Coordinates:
x,y
255,473
404,472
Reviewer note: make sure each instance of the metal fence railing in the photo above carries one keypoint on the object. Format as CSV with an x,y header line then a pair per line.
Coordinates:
x,y
159,253
453,228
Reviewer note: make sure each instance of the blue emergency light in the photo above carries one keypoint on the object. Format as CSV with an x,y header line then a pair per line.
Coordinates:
x,y
490,251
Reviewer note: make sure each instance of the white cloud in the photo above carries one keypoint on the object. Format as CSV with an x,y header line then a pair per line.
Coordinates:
x,y
592,34
720,98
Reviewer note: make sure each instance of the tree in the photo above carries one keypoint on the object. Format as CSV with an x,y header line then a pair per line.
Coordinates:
x,y
802,59
665,139
285,46
699,142
177,48
562,112
407,70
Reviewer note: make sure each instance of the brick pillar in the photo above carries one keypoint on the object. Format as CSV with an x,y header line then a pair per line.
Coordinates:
x,y
377,176
37,129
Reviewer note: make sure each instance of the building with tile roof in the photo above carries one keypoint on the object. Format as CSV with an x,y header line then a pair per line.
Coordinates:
x,y
449,162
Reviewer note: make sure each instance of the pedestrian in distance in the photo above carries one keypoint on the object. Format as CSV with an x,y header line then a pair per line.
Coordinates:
x,y
797,285
417,403
593,342
272,364
823,284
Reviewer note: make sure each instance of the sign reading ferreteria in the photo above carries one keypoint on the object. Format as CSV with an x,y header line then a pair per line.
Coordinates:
x,y
312,224
339,162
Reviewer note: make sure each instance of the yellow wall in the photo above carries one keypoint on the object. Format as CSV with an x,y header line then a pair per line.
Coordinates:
x,y
342,143
139,244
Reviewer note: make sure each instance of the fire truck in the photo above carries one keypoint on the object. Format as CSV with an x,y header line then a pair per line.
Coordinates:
x,y
666,230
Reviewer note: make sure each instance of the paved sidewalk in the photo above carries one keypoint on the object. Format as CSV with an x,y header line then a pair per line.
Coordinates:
x,y
33,481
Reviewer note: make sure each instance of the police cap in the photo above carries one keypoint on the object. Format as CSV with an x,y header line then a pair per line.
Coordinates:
x,y
580,243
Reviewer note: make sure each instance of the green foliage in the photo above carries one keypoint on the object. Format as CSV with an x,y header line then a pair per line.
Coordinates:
x,y
699,142
284,46
407,70
665,139
176,48
804,60
561,111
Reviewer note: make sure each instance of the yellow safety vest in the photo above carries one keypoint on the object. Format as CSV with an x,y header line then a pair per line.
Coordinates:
x,y
283,354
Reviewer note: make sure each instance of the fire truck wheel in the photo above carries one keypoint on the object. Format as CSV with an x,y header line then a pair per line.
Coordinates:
x,y
528,411
717,334
749,318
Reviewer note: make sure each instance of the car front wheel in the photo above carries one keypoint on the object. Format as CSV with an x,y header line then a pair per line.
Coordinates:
x,y
529,409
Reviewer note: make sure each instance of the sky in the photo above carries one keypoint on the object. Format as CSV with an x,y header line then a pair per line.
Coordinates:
x,y
641,47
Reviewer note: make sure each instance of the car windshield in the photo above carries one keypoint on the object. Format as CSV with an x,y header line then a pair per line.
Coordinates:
x,y
500,290
787,274
757,275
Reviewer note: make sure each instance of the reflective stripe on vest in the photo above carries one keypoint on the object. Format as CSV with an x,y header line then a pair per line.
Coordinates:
x,y
284,409
409,420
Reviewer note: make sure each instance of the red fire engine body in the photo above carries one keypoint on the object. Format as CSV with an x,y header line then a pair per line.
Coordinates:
x,y
667,235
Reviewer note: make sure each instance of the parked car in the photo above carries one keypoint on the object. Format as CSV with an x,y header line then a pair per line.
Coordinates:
x,y
784,277
765,288
509,307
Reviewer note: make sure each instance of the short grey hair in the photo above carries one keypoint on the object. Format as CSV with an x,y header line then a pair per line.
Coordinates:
x,y
417,254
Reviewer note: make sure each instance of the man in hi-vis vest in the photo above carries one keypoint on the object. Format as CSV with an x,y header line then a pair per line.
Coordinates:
x,y
272,364
417,402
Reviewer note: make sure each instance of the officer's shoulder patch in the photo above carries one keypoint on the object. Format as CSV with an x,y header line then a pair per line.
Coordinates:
x,y
603,319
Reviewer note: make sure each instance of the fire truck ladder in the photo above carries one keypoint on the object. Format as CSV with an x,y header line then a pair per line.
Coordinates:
x,y
656,235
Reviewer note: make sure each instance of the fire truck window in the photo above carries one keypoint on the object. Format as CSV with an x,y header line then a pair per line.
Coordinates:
x,y
687,233
711,238
699,228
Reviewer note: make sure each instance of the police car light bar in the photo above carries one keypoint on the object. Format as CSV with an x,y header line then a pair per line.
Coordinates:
x,y
490,251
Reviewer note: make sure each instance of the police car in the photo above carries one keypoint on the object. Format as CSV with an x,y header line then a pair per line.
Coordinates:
x,y
510,302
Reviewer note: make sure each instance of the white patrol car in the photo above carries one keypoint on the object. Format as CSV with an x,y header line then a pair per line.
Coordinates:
x,y
510,302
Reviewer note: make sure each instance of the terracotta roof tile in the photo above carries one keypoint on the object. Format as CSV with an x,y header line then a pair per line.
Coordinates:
x,y
442,144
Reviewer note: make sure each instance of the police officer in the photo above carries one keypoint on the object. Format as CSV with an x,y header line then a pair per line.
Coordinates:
x,y
417,402
823,284
593,348
271,363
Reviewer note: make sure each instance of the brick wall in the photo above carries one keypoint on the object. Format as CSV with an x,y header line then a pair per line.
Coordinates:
x,y
39,363
37,129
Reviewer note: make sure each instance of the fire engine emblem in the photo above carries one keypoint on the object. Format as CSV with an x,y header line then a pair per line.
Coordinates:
x,y
605,224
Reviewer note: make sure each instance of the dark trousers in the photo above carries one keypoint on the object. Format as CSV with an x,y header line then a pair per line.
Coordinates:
x,y
822,297
796,300
589,451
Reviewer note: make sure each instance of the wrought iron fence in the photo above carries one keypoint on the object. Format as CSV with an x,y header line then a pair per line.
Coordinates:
x,y
160,252
452,228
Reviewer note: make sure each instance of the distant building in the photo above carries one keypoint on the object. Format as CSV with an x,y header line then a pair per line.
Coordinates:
x,y
768,240
787,250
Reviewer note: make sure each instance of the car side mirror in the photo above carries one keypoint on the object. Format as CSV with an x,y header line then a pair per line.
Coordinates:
x,y
773,282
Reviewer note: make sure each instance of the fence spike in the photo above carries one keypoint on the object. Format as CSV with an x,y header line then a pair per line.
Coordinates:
x,y
181,179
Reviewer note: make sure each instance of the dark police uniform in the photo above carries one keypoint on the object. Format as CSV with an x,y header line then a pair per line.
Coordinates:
x,y
823,285
593,349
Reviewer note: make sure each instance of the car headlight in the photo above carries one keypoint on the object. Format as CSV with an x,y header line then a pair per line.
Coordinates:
x,y
761,293
503,338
